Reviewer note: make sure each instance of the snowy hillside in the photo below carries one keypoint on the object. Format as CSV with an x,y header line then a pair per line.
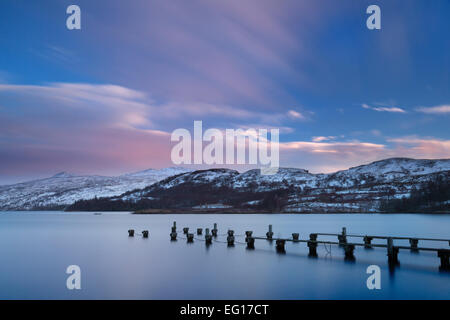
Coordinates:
x,y
359,189
64,188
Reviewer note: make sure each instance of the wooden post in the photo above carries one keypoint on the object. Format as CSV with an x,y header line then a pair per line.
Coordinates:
x,y
230,238
173,236
280,245
208,237
174,227
392,252
185,230
295,236
349,248
214,230
199,231
145,233
250,242
343,237
414,242
368,242
444,255
131,233
312,245
190,237
313,237
269,234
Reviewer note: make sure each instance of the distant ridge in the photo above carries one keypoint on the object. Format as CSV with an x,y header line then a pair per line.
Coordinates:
x,y
359,189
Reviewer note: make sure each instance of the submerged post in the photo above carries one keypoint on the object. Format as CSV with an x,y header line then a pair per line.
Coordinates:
x,y
190,237
295,236
343,237
368,242
208,237
392,252
444,255
312,245
145,233
199,231
280,245
173,234
414,244
349,248
214,230
313,237
185,230
131,233
249,240
269,234
230,238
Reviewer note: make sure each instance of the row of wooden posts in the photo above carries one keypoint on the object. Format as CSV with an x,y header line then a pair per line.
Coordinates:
x,y
313,242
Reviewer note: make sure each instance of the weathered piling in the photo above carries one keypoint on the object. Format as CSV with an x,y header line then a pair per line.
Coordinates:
x,y
190,237
295,236
349,248
343,237
368,242
208,237
250,242
145,233
444,255
131,233
312,245
414,244
199,231
214,230
392,252
230,238
185,230
173,234
279,244
313,237
269,234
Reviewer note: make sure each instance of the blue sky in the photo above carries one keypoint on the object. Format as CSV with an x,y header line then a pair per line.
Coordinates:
x,y
104,99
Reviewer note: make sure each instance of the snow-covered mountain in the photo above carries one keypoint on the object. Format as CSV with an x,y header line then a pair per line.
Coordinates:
x,y
64,188
359,189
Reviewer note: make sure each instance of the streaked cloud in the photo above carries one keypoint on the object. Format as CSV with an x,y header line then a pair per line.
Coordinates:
x,y
321,138
443,109
384,109
296,115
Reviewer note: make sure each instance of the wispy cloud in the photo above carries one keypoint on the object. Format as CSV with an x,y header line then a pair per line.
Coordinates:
x,y
330,156
94,127
322,138
384,109
296,115
443,109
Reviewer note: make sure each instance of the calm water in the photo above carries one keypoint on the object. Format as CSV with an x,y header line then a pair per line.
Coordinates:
x,y
36,248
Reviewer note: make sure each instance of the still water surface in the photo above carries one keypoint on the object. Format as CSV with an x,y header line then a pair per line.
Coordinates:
x,y
36,248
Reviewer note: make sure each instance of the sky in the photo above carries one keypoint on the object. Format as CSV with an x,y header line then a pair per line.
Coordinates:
x,y
105,99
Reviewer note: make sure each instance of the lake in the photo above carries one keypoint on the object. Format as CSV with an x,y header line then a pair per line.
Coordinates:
x,y
37,247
